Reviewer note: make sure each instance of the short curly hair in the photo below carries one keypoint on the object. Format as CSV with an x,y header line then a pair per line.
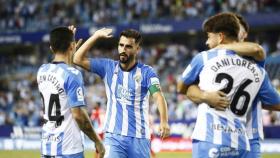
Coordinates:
x,y
223,22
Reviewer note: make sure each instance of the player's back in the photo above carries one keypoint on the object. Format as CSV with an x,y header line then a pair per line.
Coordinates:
x,y
60,133
241,80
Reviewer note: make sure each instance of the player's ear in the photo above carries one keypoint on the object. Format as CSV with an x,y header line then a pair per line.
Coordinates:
x,y
72,47
221,37
138,48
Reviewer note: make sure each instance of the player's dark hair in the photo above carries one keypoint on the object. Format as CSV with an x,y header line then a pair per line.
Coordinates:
x,y
243,22
226,23
131,33
61,38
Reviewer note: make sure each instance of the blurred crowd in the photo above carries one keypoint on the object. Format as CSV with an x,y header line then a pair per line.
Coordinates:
x,y
30,15
20,103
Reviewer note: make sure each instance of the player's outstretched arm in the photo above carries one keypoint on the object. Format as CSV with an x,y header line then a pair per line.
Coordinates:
x,y
216,99
79,57
163,112
84,123
271,107
250,49
181,87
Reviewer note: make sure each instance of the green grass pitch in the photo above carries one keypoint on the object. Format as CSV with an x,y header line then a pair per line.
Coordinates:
x,y
36,154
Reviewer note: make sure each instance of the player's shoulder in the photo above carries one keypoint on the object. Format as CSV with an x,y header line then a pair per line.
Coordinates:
x,y
215,52
71,72
145,67
43,67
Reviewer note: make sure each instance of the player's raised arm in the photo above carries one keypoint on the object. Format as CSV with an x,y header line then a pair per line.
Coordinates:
x,y
163,112
250,49
79,58
84,123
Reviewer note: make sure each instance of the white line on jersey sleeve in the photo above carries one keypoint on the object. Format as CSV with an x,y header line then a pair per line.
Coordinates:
x,y
108,93
114,103
204,57
259,118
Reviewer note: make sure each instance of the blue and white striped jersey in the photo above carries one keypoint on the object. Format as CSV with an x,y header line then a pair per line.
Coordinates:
x,y
61,88
254,123
242,80
127,97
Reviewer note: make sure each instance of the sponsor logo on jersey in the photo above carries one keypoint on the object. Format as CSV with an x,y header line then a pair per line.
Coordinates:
x,y
213,153
80,94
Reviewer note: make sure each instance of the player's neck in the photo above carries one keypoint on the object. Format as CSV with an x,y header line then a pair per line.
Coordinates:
x,y
128,67
227,41
61,58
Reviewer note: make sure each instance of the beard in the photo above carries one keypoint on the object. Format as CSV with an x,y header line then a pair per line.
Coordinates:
x,y
125,59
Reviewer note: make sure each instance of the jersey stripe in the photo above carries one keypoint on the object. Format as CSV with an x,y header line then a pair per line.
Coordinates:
x,y
146,117
109,102
59,145
124,108
233,136
114,102
204,56
210,133
217,133
137,107
119,105
258,117
225,135
48,148
131,109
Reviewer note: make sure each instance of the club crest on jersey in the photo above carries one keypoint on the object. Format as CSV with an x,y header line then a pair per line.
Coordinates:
x,y
79,93
138,78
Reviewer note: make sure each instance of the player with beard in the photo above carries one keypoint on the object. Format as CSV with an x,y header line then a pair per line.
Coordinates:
x,y
129,84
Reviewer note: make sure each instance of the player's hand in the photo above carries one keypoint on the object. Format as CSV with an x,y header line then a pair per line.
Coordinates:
x,y
74,29
100,149
164,130
103,33
217,100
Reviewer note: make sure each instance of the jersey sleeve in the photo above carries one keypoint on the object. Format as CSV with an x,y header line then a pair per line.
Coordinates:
x,y
74,88
152,78
191,73
268,94
261,63
98,66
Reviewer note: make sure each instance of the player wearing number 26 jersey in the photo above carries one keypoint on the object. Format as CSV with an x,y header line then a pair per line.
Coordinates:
x,y
223,133
242,80
62,91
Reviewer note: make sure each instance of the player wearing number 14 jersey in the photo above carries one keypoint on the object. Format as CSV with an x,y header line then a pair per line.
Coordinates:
x,y
223,133
61,89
